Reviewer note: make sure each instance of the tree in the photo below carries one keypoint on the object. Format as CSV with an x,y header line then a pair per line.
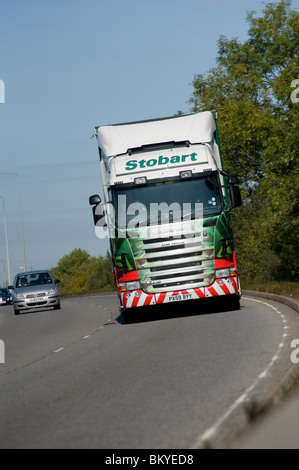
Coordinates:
x,y
251,89
81,273
74,262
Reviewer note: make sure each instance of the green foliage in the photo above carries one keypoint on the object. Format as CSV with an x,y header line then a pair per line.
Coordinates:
x,y
258,124
80,273
284,288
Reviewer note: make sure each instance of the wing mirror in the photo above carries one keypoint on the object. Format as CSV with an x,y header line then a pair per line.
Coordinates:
x,y
98,209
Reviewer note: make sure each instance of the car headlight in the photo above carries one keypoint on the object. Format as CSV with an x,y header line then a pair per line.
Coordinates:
x,y
132,285
19,296
52,291
225,272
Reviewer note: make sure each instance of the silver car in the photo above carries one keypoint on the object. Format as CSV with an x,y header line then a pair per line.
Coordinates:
x,y
34,289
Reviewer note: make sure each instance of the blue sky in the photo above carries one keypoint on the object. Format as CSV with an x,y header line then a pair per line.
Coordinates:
x,y
71,65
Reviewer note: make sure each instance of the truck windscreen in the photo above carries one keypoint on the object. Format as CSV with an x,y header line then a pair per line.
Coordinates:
x,y
168,201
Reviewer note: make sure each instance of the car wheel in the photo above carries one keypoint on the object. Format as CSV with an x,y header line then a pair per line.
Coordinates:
x,y
16,312
57,307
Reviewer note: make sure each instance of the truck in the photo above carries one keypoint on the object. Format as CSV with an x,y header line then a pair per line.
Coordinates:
x,y
166,211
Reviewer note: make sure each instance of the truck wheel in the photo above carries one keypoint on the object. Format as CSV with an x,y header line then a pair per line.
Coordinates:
x,y
234,303
128,317
125,316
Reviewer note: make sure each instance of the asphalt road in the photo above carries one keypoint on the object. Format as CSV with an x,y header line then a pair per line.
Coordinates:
x,y
181,379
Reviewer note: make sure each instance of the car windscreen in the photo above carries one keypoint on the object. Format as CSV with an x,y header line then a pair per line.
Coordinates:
x,y
33,279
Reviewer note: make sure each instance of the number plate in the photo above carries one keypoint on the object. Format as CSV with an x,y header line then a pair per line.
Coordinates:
x,y
175,298
178,298
37,299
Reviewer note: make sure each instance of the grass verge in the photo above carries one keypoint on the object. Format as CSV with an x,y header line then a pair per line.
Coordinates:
x,y
285,288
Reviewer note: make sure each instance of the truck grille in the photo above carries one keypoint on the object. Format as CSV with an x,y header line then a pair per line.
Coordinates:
x,y
184,262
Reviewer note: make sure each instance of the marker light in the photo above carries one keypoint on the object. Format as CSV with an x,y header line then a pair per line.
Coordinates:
x,y
141,181
186,174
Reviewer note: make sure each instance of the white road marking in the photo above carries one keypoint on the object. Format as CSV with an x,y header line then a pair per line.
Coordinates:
x,y
209,433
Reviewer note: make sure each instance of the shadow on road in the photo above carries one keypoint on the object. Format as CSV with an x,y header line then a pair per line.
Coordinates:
x,y
177,310
35,310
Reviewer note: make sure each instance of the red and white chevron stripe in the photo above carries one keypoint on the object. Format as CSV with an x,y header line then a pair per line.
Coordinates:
x,y
220,287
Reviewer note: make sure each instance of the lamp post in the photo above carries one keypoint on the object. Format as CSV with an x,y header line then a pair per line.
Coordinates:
x,y
6,241
3,264
21,218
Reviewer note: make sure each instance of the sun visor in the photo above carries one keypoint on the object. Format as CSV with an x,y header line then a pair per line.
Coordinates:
x,y
118,139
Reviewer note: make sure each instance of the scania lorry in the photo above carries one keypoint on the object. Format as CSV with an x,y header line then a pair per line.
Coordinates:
x,y
166,211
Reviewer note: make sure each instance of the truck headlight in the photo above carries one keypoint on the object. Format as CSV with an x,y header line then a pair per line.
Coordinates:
x,y
225,272
132,285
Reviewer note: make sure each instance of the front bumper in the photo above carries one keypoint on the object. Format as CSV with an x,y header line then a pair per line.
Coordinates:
x,y
43,302
5,301
220,287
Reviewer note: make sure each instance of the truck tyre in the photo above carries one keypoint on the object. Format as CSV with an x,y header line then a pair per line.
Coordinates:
x,y
125,316
128,317
234,303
